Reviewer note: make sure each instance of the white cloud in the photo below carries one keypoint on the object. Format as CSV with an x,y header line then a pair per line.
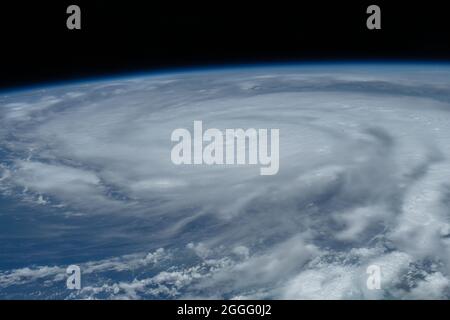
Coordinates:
x,y
363,180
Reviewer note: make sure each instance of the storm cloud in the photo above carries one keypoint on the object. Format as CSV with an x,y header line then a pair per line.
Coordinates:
x,y
364,179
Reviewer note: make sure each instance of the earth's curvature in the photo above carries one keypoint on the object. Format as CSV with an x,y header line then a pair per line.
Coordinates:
x,y
86,178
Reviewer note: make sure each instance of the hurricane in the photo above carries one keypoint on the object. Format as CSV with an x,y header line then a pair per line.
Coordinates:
x,y
86,179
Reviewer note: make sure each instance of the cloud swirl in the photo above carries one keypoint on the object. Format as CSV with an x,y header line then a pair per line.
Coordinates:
x,y
364,178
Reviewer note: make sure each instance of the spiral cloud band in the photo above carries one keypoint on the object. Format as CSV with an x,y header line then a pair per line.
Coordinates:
x,y
86,178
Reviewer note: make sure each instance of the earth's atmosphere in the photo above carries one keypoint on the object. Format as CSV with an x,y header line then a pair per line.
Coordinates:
x,y
364,179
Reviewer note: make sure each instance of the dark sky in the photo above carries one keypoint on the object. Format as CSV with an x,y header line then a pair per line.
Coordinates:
x,y
137,35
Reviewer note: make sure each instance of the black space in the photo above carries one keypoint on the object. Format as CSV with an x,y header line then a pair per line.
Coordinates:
x,y
124,36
